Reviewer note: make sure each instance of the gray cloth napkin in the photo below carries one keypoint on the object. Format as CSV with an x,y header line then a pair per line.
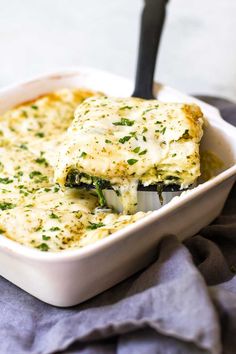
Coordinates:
x,y
185,302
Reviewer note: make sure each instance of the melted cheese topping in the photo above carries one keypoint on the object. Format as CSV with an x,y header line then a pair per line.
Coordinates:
x,y
130,140
34,211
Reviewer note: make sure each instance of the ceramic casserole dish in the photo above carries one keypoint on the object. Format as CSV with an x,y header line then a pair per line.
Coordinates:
x,y
69,277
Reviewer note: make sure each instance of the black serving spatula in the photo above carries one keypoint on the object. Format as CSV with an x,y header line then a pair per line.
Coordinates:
x,y
152,21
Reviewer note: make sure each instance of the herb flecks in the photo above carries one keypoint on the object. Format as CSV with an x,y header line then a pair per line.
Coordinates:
x,y
124,121
54,228
40,134
23,147
94,226
132,161
38,177
34,174
5,180
124,139
46,238
42,161
150,109
83,154
53,216
143,152
56,189
136,150
125,107
7,206
43,247
108,141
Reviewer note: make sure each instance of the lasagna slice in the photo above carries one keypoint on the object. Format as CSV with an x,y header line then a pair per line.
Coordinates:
x,y
126,141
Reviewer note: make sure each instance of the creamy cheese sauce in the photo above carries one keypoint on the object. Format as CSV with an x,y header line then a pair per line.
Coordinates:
x,y
127,141
34,210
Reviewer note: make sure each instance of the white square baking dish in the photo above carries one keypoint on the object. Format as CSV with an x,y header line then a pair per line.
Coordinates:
x,y
72,276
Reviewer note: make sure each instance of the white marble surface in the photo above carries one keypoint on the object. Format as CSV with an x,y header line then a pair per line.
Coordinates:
x,y
198,52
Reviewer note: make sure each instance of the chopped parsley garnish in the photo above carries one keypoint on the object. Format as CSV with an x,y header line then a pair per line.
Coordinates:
x,y
149,109
40,177
83,154
124,139
144,130
23,147
94,226
40,135
136,150
158,122
56,189
54,228
124,121
125,107
43,247
45,238
34,174
143,152
132,161
1,231
19,174
108,141
6,206
133,134
42,161
5,180
144,138
174,155
163,130
53,216
34,107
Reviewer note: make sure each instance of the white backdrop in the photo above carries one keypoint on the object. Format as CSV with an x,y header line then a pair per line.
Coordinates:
x,y
198,52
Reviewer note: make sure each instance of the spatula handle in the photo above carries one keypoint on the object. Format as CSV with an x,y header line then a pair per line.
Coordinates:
x,y
152,21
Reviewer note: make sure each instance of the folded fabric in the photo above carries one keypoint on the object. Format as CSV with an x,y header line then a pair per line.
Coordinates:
x,y
185,302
